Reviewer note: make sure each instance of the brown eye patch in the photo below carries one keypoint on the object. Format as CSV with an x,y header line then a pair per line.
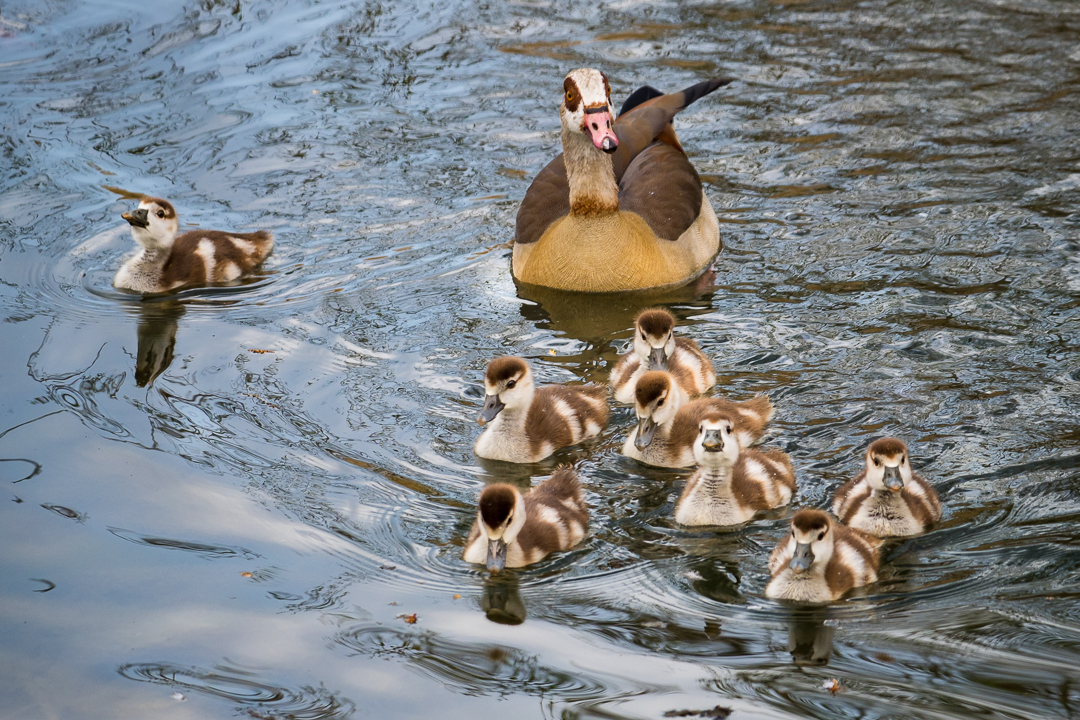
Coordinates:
x,y
573,96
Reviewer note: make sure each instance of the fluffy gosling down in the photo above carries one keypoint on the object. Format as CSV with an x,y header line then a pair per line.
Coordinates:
x,y
526,423
657,348
514,530
887,498
668,421
165,262
821,560
732,484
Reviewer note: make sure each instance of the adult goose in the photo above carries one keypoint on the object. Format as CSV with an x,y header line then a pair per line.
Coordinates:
x,y
622,208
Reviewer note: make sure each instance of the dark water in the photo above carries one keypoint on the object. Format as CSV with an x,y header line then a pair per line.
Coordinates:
x,y
898,187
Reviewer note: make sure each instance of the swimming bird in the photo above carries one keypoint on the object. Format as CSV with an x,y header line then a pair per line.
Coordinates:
x,y
526,423
731,484
165,262
820,560
622,207
668,422
657,348
513,530
887,498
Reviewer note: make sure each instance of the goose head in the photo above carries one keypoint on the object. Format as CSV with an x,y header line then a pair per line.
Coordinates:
x,y
654,338
656,400
812,531
715,445
586,108
508,383
887,465
501,516
153,224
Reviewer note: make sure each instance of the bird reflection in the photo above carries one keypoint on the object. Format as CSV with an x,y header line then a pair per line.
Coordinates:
x,y
157,338
810,640
502,602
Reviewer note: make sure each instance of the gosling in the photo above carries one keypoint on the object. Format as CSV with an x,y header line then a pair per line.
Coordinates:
x,y
657,348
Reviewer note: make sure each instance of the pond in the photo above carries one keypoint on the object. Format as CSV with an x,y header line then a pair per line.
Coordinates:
x,y
230,501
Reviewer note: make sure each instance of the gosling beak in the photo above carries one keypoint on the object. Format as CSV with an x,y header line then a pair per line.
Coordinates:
x,y
713,441
658,359
137,218
802,559
645,429
492,406
598,125
496,557
893,481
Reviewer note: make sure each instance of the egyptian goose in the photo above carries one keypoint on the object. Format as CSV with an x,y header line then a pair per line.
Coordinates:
x,y
525,423
668,422
622,208
731,484
887,498
513,530
657,348
165,262
821,560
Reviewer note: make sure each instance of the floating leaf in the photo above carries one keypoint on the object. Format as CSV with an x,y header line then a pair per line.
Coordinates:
x,y
411,619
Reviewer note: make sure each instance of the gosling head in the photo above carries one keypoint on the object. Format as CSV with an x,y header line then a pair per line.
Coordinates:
x,y
508,383
656,400
501,515
654,338
154,224
586,108
813,534
715,445
887,466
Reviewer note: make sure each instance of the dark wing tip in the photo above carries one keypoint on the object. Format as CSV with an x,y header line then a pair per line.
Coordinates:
x,y
695,92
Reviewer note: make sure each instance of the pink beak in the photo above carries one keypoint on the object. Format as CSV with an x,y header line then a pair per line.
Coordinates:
x,y
598,124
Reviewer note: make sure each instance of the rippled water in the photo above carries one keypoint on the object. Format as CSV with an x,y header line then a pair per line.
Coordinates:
x,y
898,188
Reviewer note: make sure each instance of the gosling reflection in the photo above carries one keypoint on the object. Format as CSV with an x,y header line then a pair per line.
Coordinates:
x,y
502,602
157,339
810,639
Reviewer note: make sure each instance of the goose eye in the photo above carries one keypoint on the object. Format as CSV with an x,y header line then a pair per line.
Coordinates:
x,y
569,96
511,385
161,213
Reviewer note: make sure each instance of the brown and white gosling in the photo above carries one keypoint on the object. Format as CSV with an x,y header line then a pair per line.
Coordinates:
x,y
513,530
657,348
887,498
821,560
732,484
525,423
165,262
668,421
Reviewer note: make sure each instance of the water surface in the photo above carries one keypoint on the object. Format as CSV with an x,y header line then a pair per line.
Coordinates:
x,y
234,493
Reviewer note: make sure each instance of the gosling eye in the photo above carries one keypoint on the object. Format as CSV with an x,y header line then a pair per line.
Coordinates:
x,y
511,385
903,460
644,338
728,428
821,535
161,213
659,402
877,463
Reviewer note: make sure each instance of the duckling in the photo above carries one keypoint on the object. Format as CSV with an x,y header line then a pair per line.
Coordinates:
x,y
513,530
887,498
657,348
821,560
668,421
165,261
731,484
528,423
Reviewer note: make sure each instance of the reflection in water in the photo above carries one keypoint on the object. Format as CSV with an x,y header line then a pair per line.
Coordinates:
x,y
501,601
157,338
810,639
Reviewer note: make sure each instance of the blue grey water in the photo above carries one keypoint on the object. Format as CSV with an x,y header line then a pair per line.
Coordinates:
x,y
192,529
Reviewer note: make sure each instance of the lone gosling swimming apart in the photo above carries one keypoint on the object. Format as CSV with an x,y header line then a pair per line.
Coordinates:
x,y
165,262
525,423
732,484
887,498
657,348
514,530
821,560
668,422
